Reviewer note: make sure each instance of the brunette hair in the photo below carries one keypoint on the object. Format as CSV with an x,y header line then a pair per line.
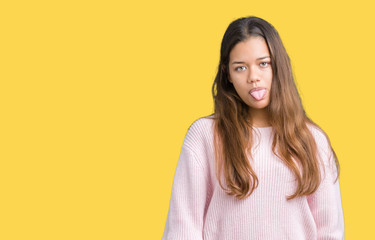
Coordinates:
x,y
292,138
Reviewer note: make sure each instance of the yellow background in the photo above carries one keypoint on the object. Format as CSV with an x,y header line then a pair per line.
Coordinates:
x,y
97,96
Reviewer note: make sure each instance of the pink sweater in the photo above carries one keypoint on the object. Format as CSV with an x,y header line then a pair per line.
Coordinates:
x,y
200,209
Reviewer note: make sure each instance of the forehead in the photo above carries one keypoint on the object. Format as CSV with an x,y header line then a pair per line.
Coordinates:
x,y
250,49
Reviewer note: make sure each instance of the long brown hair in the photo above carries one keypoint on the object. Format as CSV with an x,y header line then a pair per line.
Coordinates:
x,y
233,125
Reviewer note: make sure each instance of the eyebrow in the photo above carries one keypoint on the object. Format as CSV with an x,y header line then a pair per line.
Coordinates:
x,y
256,59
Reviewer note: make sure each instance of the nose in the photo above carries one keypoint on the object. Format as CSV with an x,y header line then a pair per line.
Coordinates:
x,y
253,77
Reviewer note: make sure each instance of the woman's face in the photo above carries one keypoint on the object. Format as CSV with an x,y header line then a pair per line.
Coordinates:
x,y
250,72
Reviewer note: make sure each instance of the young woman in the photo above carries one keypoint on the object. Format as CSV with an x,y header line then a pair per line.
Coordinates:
x,y
258,168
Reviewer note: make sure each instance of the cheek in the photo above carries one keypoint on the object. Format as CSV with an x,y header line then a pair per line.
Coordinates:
x,y
268,77
240,84
268,73
238,77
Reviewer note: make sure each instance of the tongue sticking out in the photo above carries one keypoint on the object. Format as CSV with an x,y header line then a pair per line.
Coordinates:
x,y
258,95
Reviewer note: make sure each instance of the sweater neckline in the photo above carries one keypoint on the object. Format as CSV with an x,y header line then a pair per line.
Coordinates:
x,y
263,130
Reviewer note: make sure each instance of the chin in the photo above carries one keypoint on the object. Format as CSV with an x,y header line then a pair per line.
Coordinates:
x,y
257,108
259,105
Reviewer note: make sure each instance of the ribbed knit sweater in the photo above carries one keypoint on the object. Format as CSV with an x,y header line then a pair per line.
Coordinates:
x,y
200,209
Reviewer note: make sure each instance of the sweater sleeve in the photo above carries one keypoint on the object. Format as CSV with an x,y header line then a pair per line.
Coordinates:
x,y
325,204
188,199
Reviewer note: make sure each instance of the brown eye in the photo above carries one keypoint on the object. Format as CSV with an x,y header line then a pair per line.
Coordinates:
x,y
264,64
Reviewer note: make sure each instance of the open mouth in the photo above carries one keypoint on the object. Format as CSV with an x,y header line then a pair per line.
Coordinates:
x,y
258,94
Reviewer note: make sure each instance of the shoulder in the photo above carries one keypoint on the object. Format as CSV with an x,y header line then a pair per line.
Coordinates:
x,y
321,138
323,143
199,134
202,124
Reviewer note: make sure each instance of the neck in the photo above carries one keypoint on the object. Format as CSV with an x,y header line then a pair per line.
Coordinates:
x,y
260,118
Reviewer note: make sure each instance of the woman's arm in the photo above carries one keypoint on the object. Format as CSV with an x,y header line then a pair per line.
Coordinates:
x,y
189,199
325,203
